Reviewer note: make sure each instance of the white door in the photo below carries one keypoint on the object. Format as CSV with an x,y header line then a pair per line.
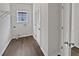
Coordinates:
x,y
34,21
66,29
37,22
18,29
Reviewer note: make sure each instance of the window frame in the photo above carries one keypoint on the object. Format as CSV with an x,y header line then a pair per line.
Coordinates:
x,y
18,17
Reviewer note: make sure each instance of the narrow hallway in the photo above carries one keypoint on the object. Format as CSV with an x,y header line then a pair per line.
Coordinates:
x,y
25,46
22,20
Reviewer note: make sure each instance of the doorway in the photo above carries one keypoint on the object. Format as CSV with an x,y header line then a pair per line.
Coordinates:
x,y
70,40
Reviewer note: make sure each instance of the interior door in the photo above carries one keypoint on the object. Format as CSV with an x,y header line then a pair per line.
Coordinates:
x,y
19,29
66,29
34,21
38,24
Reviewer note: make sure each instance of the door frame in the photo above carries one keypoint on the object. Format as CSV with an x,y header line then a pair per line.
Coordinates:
x,y
36,22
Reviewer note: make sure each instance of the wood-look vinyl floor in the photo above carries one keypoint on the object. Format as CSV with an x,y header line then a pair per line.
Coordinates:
x,y
74,51
26,46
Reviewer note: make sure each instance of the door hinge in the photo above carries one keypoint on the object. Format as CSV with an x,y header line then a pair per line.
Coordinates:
x,y
62,7
61,47
62,27
71,44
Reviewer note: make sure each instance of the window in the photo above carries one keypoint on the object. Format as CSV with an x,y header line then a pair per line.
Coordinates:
x,y
22,16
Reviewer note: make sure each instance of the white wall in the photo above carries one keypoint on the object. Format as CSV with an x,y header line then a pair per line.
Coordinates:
x,y
21,29
4,29
54,20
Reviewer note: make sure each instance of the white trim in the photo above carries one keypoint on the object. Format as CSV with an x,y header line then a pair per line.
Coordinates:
x,y
44,52
5,47
23,36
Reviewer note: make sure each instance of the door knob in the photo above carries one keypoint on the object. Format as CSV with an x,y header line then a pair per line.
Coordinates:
x,y
71,44
62,27
66,43
14,26
39,29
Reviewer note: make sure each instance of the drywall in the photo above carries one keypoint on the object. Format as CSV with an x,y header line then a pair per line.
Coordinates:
x,y
54,26
75,24
22,29
4,28
44,27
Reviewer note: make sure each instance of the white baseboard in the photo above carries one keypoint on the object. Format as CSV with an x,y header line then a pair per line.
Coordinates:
x,y
44,52
5,47
23,36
